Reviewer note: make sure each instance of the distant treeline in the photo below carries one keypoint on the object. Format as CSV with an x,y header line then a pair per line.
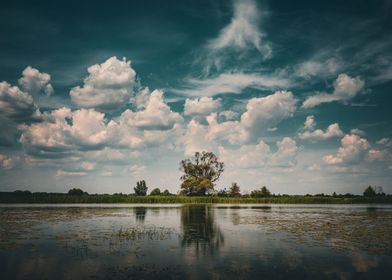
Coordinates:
x,y
83,197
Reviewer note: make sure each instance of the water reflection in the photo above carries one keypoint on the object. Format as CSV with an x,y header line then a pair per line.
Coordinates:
x,y
199,230
140,214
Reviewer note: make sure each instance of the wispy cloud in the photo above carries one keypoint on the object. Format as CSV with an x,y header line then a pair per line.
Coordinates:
x,y
231,83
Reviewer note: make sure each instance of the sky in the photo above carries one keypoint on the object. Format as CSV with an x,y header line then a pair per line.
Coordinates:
x,y
293,95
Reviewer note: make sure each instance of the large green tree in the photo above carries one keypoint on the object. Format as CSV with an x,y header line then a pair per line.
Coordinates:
x,y
141,188
369,192
200,173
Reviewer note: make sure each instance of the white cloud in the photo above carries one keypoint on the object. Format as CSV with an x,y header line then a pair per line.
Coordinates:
x,y
260,155
261,113
64,132
35,82
317,68
310,122
268,111
8,162
195,139
345,88
157,114
63,173
228,115
333,130
231,83
109,85
16,104
243,30
201,106
358,132
88,166
353,150
137,169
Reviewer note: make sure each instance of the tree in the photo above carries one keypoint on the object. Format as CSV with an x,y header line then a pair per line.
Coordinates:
x,y
222,193
263,192
156,191
166,192
369,192
200,173
234,190
76,191
141,188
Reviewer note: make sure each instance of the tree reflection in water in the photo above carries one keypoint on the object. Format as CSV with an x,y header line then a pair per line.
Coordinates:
x,y
140,213
199,230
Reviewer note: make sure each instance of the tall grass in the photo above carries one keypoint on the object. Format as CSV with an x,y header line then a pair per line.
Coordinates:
x,y
106,198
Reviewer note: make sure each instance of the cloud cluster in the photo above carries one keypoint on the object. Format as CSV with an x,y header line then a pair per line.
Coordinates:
x,y
201,106
332,130
8,162
345,88
16,104
260,155
109,85
261,113
353,150
64,131
35,82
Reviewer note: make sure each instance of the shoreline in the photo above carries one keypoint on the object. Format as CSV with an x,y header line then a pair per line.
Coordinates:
x,y
52,198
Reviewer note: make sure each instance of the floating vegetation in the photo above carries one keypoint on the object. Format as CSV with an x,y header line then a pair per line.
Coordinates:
x,y
343,230
144,233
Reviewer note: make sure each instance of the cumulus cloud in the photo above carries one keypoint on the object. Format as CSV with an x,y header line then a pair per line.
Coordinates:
x,y
382,152
261,113
231,83
260,155
35,82
63,131
109,85
195,139
201,106
16,104
310,122
8,162
228,115
333,130
157,114
268,111
353,150
345,88
243,30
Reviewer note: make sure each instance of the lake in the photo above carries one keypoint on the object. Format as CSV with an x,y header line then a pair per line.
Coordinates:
x,y
115,241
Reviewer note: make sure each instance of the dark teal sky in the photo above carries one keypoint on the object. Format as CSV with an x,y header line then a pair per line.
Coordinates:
x,y
229,51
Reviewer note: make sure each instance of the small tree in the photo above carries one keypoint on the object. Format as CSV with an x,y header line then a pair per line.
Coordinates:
x,y
141,188
369,192
222,193
234,190
76,191
263,192
166,192
156,191
200,173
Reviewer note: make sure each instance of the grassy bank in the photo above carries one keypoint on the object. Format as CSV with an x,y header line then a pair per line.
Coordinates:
x,y
9,197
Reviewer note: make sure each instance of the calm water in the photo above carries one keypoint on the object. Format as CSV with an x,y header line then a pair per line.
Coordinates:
x,y
195,242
